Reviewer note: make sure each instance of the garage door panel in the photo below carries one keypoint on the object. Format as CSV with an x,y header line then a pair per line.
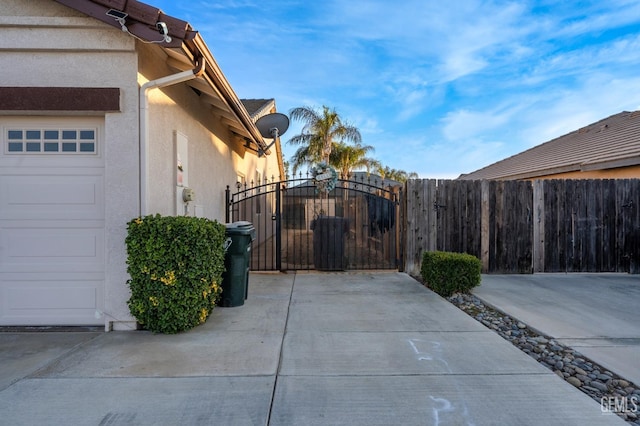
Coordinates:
x,y
35,244
47,249
52,197
51,300
58,297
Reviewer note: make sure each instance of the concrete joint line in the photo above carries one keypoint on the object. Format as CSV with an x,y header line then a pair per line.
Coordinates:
x,y
284,333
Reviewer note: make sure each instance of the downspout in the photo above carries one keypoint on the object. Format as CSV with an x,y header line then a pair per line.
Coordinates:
x,y
144,124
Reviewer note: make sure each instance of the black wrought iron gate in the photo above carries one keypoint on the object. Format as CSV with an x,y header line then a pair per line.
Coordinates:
x,y
358,225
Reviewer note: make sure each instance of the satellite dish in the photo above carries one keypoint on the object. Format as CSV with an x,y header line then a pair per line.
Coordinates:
x,y
271,126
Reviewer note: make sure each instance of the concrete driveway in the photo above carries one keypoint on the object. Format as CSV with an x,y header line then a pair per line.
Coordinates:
x,y
595,314
305,349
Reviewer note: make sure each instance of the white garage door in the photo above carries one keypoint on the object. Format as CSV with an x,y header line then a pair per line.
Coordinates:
x,y
52,235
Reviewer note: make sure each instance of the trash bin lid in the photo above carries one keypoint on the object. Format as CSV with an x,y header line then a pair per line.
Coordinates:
x,y
239,224
241,228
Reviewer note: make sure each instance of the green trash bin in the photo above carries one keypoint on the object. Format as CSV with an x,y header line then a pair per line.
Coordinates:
x,y
235,280
328,243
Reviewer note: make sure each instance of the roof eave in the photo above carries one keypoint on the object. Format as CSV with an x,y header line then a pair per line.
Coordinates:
x,y
140,22
612,164
215,73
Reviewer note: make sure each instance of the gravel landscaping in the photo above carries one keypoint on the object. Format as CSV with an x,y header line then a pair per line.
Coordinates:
x,y
591,378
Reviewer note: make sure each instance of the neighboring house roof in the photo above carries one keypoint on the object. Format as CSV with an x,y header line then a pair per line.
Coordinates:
x,y
186,50
609,143
258,108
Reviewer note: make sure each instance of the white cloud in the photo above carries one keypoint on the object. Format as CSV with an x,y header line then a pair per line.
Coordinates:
x,y
455,41
591,18
367,126
434,160
581,62
464,124
596,98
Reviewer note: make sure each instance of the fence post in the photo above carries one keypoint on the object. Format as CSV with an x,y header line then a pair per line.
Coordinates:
x,y
413,199
278,235
227,204
484,225
538,226
401,227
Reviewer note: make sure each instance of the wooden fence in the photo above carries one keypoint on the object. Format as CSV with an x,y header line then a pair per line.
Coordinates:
x,y
527,226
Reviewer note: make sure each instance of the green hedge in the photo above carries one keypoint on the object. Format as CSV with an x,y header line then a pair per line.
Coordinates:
x,y
447,273
176,266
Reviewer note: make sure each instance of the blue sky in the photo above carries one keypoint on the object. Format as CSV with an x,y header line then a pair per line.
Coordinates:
x,y
437,88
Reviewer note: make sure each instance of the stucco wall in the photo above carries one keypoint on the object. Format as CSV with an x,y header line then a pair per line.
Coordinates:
x,y
42,44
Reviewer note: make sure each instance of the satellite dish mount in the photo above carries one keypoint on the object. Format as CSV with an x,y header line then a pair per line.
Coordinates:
x,y
272,126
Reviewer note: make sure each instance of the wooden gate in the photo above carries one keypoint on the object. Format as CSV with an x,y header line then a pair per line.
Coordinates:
x,y
357,225
492,220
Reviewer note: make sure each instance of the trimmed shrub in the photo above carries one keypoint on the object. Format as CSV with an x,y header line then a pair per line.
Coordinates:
x,y
176,266
447,273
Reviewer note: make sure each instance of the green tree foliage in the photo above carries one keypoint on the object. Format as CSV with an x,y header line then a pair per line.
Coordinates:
x,y
346,158
398,175
322,130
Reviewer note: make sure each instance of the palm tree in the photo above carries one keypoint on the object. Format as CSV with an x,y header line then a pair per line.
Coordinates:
x,y
300,158
345,158
398,175
321,131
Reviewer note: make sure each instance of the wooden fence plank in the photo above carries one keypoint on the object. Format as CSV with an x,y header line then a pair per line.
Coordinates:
x,y
524,234
550,226
628,198
498,207
538,226
413,224
485,243
608,226
473,222
594,210
439,206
